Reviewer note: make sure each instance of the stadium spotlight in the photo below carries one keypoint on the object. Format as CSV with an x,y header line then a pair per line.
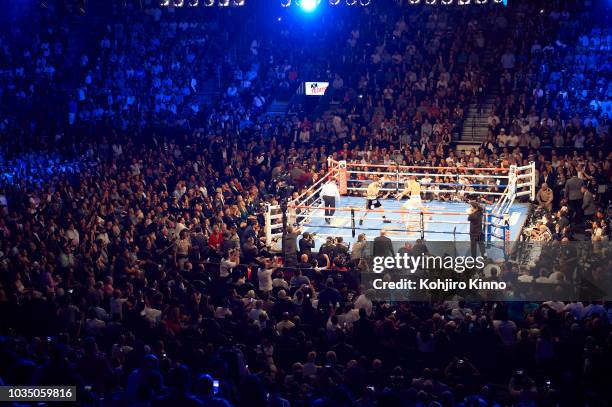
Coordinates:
x,y
164,3
498,1
431,2
446,2
414,2
364,3
480,1
308,5
463,2
179,3
209,3
334,2
285,3
351,2
238,3
193,3
223,3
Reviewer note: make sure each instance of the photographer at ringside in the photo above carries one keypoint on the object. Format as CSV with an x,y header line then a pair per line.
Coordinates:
x,y
307,243
475,215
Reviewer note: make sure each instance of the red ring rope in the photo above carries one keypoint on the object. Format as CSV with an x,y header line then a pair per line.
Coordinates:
x,y
502,169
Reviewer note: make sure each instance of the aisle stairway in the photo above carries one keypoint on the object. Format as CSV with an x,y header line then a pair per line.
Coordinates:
x,y
277,108
208,92
475,127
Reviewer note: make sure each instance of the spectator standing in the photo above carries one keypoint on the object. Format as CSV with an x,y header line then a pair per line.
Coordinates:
x,y
383,246
476,234
290,247
573,194
588,203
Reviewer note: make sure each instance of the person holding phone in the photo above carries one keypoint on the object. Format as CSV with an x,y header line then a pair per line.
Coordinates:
x,y
208,390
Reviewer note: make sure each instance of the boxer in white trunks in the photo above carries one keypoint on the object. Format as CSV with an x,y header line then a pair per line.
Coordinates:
x,y
414,203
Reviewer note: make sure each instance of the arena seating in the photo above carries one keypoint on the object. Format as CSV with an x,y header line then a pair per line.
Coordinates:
x,y
137,157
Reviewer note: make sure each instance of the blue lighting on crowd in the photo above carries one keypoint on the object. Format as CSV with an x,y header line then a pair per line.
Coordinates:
x,y
309,5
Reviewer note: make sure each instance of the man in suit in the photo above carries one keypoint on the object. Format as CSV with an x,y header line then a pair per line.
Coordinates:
x,y
588,203
476,235
383,246
252,230
290,247
573,194
548,176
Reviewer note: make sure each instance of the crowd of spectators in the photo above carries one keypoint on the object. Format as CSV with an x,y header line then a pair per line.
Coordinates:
x,y
553,105
143,275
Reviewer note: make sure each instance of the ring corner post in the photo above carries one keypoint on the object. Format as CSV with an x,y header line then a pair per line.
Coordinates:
x,y
268,225
487,226
506,238
422,225
353,222
533,181
284,206
342,177
397,178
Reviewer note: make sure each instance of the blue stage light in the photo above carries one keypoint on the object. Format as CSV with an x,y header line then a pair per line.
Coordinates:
x,y
309,5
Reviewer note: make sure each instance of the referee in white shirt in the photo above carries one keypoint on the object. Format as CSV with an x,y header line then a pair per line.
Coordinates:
x,y
331,196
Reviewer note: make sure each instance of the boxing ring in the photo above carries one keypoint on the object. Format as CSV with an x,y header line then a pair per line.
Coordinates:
x,y
446,193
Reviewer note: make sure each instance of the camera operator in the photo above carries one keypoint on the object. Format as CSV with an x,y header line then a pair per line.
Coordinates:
x,y
307,243
328,247
476,235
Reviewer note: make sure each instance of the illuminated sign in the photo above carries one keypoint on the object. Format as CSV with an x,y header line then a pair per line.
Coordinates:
x,y
315,88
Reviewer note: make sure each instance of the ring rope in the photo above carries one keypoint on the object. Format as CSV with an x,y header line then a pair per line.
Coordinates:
x,y
450,184
391,230
404,211
484,169
392,220
442,191
348,209
416,174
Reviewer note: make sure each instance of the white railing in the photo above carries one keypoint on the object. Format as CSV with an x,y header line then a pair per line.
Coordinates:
x,y
274,216
514,190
